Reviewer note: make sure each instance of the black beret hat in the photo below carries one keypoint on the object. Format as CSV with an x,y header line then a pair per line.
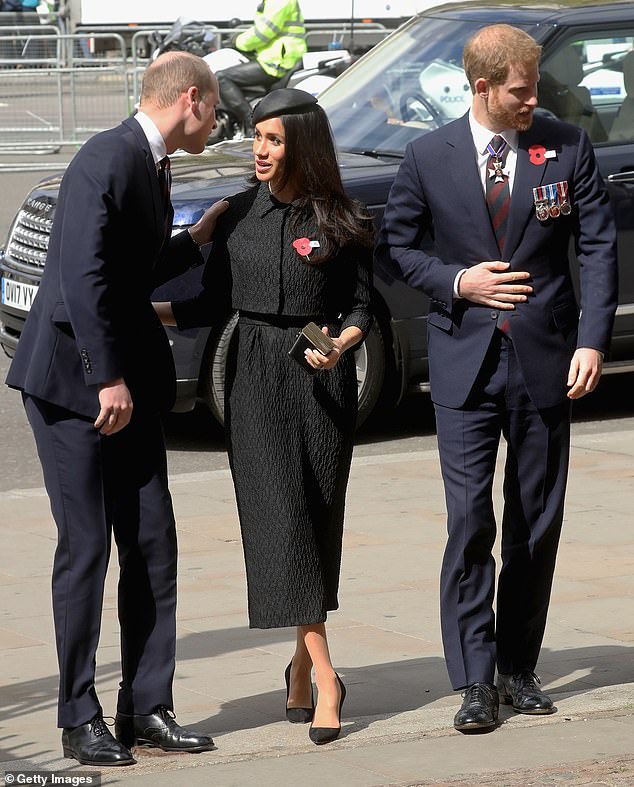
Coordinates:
x,y
285,101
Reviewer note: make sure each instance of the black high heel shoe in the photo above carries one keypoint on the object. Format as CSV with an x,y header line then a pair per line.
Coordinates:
x,y
297,715
321,735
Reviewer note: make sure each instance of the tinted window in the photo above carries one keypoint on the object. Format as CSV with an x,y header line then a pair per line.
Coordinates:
x,y
589,81
411,83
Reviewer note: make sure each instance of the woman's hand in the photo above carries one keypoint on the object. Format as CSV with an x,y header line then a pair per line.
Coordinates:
x,y
164,312
320,361
202,231
348,337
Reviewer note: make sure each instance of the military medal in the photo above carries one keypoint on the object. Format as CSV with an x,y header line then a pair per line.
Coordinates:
x,y
553,202
541,203
542,211
496,170
564,202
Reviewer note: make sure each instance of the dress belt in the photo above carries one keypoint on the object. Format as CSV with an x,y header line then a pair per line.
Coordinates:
x,y
286,320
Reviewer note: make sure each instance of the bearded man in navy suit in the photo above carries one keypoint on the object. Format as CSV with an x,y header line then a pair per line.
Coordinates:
x,y
95,370
502,191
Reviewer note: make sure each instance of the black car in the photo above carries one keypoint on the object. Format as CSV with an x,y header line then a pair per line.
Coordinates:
x,y
406,86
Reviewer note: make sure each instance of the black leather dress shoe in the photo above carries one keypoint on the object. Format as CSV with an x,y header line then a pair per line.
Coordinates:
x,y
479,709
94,744
523,693
159,730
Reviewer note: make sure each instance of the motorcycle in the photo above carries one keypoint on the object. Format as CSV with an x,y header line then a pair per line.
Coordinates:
x,y
313,74
185,35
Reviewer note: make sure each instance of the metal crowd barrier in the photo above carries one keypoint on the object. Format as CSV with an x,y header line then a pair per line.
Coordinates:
x,y
345,35
58,89
333,35
60,94
27,44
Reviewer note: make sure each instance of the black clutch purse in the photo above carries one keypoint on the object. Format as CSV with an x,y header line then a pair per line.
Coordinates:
x,y
313,338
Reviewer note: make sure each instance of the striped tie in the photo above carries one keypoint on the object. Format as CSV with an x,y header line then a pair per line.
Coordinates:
x,y
498,198
497,189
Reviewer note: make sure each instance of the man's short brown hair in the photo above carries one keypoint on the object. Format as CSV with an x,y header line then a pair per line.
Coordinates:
x,y
490,53
171,74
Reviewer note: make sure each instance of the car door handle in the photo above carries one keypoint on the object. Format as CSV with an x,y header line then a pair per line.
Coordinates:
x,y
622,177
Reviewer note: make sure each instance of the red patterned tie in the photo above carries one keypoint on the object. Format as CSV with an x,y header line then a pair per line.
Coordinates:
x,y
497,189
498,198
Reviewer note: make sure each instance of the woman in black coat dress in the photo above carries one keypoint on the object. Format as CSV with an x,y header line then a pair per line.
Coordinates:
x,y
290,250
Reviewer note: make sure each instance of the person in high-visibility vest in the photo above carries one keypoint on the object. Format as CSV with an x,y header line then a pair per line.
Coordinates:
x,y
276,41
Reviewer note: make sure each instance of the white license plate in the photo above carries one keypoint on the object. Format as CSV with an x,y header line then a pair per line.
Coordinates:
x,y
18,294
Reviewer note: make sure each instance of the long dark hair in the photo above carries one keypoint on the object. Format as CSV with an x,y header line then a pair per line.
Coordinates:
x,y
310,165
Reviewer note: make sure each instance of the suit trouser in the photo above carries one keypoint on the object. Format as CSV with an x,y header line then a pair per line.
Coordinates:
x,y
98,486
475,639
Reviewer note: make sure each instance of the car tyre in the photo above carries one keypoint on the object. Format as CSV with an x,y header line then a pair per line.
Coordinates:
x,y
215,366
371,364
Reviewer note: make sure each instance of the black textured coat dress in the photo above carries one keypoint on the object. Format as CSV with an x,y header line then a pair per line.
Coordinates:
x,y
290,434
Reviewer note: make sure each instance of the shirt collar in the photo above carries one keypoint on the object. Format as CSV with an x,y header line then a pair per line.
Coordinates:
x,y
153,135
266,202
482,135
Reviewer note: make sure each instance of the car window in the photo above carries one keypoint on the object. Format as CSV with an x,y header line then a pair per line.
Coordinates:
x,y
411,83
589,81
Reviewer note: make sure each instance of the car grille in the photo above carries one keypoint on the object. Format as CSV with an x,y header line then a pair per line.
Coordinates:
x,y
28,242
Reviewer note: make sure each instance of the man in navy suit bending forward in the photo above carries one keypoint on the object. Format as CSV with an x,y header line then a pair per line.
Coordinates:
x,y
503,190
95,370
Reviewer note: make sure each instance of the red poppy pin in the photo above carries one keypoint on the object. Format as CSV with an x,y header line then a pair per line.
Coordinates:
x,y
304,246
538,154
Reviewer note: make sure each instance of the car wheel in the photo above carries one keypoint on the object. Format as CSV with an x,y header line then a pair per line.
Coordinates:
x,y
370,362
215,366
369,358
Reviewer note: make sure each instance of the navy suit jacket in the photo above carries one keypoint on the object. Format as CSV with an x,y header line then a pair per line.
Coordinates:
x,y
92,320
438,189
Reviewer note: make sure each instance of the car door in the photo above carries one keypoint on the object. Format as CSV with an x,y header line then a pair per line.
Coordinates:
x,y
587,78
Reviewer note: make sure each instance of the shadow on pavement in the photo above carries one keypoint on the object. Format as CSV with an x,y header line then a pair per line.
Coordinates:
x,y
413,417
380,690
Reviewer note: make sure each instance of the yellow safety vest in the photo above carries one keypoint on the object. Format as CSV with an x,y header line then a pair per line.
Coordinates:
x,y
277,36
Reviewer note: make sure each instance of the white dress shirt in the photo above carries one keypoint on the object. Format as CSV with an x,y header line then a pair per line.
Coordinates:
x,y
481,138
154,138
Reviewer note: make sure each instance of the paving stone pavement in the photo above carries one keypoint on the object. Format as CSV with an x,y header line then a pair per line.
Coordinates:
x,y
618,772
385,641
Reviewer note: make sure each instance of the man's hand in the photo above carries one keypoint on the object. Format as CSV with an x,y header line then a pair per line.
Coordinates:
x,y
489,285
116,407
585,372
202,231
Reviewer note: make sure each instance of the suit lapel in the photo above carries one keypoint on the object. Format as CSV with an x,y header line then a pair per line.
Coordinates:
x,y
528,175
467,185
153,182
